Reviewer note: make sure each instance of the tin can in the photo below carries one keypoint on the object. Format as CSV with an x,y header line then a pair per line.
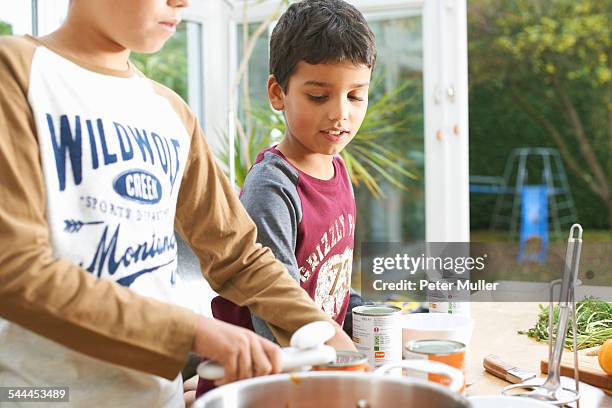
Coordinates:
x,y
453,301
377,333
345,361
448,352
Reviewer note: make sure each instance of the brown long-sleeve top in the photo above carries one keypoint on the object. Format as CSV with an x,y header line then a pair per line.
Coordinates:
x,y
97,169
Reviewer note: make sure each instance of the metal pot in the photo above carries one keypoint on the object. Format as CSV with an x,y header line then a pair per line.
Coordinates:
x,y
331,390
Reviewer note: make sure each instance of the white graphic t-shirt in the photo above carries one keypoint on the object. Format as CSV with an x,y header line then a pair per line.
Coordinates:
x,y
112,168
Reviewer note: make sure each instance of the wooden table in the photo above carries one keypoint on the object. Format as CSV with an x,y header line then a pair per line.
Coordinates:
x,y
495,332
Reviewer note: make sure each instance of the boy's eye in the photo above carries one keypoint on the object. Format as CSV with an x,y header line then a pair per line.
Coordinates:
x,y
356,98
317,98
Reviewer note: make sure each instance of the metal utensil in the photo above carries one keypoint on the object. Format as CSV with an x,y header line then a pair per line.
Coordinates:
x,y
551,390
307,349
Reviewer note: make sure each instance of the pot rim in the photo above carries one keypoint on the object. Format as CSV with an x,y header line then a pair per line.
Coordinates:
x,y
294,377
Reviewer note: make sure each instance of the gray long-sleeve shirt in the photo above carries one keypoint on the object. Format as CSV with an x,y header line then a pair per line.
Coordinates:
x,y
308,224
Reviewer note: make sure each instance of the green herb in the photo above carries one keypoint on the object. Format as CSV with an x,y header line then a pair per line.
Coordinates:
x,y
593,324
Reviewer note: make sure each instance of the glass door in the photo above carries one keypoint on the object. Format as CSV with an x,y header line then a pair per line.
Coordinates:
x,y
397,214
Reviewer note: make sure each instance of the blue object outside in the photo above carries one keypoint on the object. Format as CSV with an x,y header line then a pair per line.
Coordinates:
x,y
533,235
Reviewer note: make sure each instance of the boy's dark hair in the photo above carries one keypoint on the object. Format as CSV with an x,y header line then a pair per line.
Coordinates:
x,y
319,31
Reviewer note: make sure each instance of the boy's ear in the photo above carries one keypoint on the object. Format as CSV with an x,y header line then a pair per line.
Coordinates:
x,y
276,94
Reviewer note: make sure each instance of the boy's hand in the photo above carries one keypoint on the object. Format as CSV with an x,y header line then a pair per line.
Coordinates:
x,y
341,340
242,353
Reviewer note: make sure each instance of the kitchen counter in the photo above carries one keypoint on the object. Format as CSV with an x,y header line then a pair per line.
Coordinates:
x,y
495,332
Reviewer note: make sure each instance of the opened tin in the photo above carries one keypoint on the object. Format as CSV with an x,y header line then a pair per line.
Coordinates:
x,y
346,361
448,352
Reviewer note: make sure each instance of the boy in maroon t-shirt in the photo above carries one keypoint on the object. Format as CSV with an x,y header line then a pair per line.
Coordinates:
x,y
299,193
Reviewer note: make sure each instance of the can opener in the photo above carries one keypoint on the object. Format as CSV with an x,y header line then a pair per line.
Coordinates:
x,y
307,348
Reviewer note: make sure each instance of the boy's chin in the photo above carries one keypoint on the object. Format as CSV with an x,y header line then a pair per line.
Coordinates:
x,y
331,150
336,148
148,47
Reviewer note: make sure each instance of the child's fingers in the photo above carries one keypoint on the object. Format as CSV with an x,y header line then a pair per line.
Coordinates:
x,y
261,362
245,367
274,355
231,369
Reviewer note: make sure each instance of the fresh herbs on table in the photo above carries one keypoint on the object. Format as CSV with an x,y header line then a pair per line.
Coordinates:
x,y
593,322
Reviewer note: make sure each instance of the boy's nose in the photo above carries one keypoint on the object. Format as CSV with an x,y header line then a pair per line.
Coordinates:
x,y
179,3
340,111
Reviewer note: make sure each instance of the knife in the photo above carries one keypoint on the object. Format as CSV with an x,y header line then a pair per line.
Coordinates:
x,y
499,368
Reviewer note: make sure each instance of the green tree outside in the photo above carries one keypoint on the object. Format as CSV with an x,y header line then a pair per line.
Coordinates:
x,y
543,67
169,65
5,28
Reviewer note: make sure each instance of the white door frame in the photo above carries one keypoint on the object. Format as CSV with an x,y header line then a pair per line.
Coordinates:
x,y
215,19
446,121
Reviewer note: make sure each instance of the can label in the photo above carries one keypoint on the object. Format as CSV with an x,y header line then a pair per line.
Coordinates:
x,y
415,374
449,301
458,308
378,334
451,353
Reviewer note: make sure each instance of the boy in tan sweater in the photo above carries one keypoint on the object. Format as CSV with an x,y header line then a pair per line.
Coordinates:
x,y
99,166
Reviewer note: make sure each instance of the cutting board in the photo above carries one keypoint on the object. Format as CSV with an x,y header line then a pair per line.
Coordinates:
x,y
589,370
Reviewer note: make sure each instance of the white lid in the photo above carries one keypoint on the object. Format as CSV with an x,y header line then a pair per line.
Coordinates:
x,y
312,335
